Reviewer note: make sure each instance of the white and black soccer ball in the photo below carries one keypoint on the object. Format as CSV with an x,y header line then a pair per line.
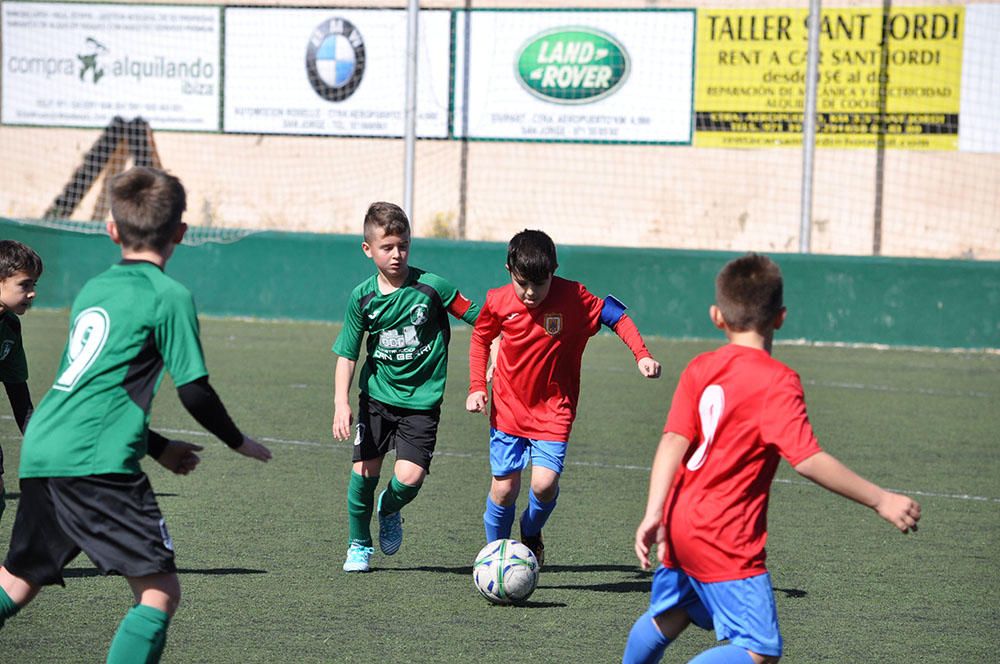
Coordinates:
x,y
505,572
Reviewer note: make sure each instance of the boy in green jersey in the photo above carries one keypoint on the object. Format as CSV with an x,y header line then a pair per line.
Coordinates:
x,y
404,311
82,488
20,268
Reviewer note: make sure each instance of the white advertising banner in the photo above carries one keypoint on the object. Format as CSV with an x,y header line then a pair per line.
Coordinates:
x,y
979,129
333,72
602,76
80,65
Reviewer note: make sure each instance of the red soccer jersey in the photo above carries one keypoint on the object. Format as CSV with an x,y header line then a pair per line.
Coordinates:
x,y
743,411
536,382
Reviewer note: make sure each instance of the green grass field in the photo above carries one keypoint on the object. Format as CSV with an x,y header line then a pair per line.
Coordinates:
x,y
260,547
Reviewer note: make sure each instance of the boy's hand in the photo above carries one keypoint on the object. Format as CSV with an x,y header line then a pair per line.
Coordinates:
x,y
899,510
476,402
342,419
179,457
649,367
251,448
650,531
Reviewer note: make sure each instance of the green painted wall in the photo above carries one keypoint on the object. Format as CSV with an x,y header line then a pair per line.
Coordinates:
x,y
893,301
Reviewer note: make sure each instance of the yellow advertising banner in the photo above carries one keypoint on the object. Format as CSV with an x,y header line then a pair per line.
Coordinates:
x,y
891,77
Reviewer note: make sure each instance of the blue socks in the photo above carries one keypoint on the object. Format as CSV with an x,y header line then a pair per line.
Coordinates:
x,y
534,518
498,520
728,654
645,642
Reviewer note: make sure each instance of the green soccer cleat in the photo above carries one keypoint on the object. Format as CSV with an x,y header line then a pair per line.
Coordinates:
x,y
358,557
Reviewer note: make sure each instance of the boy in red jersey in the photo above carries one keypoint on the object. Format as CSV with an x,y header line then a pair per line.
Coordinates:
x,y
545,322
736,412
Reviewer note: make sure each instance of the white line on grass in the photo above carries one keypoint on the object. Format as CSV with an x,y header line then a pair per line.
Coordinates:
x,y
591,464
903,390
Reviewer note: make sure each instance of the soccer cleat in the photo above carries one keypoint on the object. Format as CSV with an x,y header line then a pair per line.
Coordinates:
x,y
358,556
390,530
536,545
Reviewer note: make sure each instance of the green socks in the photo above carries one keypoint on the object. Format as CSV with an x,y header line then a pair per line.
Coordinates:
x,y
7,607
397,496
140,637
360,505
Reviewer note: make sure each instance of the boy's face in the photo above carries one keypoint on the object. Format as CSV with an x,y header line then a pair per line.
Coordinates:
x,y
17,292
389,252
530,293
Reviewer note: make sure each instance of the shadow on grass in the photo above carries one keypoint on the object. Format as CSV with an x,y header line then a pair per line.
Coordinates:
x,y
87,572
794,593
638,584
546,569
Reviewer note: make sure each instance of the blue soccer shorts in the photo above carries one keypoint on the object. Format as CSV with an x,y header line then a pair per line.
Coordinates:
x,y
742,611
510,454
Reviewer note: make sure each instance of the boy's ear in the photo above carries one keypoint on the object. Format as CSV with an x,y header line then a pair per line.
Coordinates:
x,y
779,320
715,313
112,228
179,233
367,248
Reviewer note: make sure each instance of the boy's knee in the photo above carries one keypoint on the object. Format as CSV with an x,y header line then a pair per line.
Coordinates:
x,y
672,622
546,494
504,490
545,486
764,659
162,591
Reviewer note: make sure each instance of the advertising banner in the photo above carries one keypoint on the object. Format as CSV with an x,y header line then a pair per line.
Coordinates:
x,y
80,65
980,128
333,72
576,76
890,78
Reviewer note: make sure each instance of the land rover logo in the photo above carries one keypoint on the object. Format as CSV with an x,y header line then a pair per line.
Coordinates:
x,y
335,59
572,65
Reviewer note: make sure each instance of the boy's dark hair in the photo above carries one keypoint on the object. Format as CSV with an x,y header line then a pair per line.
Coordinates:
x,y
18,257
147,204
531,255
387,216
749,292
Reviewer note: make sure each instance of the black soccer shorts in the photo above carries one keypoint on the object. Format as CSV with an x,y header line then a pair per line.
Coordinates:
x,y
381,427
114,519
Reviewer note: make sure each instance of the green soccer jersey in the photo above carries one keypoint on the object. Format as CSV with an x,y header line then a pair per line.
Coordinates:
x,y
408,333
127,324
13,365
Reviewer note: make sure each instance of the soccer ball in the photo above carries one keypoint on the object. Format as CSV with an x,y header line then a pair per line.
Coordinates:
x,y
505,572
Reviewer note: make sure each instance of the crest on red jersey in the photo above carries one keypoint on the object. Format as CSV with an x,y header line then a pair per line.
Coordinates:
x,y
553,324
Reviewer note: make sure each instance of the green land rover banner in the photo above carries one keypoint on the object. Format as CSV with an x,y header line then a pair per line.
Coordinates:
x,y
601,76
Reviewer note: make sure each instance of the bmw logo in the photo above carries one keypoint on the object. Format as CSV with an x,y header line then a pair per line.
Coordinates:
x,y
335,59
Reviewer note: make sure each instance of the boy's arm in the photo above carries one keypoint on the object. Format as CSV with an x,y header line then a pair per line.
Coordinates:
x,y
205,406
20,403
177,456
342,417
668,458
464,308
825,470
613,315
486,330
629,333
